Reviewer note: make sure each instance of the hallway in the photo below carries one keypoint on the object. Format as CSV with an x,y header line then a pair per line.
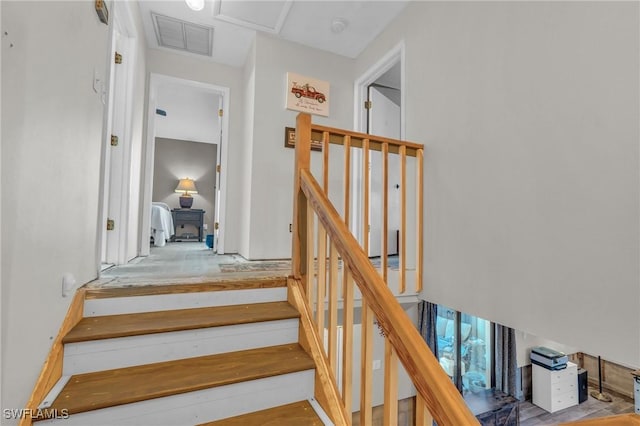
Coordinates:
x,y
187,262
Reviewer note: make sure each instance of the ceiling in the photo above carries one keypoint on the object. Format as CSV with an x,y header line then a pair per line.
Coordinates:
x,y
224,30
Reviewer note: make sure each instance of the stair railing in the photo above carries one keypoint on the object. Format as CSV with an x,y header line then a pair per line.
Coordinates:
x,y
437,398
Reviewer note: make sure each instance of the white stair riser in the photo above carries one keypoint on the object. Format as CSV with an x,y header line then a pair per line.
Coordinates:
x,y
97,355
201,406
163,302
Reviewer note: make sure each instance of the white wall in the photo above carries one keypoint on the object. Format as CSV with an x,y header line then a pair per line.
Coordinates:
x,y
192,115
529,113
51,132
195,69
272,163
249,83
137,136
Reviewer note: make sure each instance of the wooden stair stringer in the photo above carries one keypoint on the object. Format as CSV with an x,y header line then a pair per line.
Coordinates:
x,y
326,389
51,371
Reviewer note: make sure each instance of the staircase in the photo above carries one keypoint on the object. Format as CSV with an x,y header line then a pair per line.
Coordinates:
x,y
212,354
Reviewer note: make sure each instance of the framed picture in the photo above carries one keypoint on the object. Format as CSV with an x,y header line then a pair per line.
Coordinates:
x,y
306,94
290,140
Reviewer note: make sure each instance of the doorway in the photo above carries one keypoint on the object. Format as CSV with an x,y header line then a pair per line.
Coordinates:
x,y
161,89
379,111
119,176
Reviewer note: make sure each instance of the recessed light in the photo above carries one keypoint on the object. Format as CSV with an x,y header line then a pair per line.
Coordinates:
x,y
196,5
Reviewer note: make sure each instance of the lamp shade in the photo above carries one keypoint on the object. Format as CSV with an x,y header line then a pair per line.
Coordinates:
x,y
187,186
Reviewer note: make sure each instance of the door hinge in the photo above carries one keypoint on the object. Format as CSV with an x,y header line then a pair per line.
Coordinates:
x,y
118,58
114,140
111,224
368,104
218,168
216,225
220,112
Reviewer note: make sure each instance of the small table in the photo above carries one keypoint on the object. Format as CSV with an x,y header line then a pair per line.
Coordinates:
x,y
494,407
182,217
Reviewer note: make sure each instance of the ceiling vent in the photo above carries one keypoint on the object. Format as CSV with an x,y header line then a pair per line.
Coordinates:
x,y
186,36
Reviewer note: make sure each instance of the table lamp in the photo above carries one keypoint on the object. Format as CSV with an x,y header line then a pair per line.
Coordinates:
x,y
187,187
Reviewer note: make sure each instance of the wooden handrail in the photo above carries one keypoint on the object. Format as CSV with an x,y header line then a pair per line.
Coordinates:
x,y
441,397
336,136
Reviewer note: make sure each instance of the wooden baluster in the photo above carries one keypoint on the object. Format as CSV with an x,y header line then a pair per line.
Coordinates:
x,y
333,307
366,366
322,278
419,214
365,196
325,162
299,246
347,293
390,385
347,339
347,198
310,261
403,217
423,417
322,241
347,178
385,210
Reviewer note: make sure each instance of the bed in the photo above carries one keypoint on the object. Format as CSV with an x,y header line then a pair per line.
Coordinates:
x,y
161,223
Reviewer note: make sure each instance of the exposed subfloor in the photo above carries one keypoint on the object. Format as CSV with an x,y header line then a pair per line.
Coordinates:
x,y
187,262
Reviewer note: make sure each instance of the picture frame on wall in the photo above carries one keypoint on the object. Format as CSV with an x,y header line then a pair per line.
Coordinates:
x,y
290,140
307,94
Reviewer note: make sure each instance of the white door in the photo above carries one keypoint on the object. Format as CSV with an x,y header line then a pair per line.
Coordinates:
x,y
383,120
118,153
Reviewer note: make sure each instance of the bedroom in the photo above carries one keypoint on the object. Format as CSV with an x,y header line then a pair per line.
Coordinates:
x,y
186,147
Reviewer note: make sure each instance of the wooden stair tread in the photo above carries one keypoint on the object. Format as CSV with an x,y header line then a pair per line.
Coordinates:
x,y
92,391
154,289
295,414
111,326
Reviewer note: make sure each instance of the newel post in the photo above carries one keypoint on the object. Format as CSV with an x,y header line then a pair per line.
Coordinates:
x,y
299,237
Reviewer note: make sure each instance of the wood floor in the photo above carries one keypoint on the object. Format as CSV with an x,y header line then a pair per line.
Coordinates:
x,y
531,415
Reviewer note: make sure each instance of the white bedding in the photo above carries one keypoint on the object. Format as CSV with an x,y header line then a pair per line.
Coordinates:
x,y
161,223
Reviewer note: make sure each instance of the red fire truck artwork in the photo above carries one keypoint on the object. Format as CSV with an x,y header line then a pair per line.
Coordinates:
x,y
307,91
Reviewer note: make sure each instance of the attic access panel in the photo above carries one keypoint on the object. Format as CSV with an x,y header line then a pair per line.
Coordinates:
x,y
267,16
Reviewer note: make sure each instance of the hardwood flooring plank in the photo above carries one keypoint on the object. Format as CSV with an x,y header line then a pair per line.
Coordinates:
x,y
92,391
112,326
295,414
531,415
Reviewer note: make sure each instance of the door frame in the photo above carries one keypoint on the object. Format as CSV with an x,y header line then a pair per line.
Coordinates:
x,y
123,24
361,93
155,81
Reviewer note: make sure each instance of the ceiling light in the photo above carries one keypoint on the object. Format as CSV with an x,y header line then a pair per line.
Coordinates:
x,y
338,25
195,4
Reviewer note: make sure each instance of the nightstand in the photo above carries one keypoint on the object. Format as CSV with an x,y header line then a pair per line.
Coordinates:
x,y
182,217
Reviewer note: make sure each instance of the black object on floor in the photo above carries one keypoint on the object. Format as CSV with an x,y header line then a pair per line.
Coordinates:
x,y
583,385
